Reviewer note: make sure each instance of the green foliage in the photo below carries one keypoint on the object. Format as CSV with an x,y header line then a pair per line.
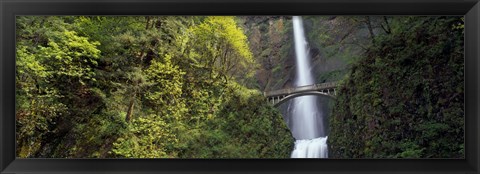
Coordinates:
x,y
70,55
266,133
245,127
222,45
34,119
223,29
165,91
52,61
166,81
29,64
147,137
335,75
404,98
140,87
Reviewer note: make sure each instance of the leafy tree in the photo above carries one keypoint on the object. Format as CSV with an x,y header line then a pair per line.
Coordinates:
x,y
147,137
165,93
222,45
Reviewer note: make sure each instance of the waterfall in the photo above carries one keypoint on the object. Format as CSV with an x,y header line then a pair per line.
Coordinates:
x,y
306,126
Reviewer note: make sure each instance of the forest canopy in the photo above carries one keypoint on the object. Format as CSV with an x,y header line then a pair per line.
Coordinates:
x,y
140,87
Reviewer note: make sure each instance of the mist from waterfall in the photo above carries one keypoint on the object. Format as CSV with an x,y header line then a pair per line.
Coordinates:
x,y
306,123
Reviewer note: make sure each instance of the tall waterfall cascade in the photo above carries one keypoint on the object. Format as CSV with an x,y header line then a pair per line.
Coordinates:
x,y
309,141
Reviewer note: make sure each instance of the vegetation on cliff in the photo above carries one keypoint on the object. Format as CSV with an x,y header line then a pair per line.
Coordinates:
x,y
404,98
141,87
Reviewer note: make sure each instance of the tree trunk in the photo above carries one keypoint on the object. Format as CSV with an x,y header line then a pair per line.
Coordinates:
x,y
370,29
387,28
130,108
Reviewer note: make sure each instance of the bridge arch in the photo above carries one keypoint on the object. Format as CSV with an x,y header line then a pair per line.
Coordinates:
x,y
278,97
295,95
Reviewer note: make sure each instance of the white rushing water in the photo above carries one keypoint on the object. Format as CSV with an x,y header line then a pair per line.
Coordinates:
x,y
309,143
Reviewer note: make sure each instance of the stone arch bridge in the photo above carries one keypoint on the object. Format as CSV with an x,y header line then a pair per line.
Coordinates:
x,y
278,97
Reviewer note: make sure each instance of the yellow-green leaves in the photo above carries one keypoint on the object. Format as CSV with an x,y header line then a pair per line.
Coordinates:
x,y
226,28
221,44
28,63
166,88
69,54
167,81
148,137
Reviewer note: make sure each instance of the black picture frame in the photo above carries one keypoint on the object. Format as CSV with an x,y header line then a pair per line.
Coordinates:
x,y
10,8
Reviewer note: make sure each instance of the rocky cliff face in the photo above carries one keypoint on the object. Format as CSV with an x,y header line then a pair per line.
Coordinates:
x,y
271,44
331,49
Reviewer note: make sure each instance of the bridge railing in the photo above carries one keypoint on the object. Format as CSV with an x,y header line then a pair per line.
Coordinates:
x,y
314,87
